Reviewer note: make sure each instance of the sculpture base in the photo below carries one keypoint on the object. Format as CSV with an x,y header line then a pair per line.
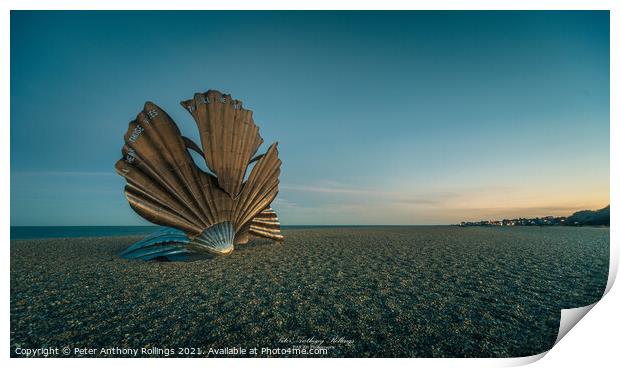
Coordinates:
x,y
174,245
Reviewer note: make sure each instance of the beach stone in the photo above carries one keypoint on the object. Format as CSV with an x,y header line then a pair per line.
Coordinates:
x,y
419,291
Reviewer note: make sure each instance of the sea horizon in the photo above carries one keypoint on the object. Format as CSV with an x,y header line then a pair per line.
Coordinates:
x,y
83,231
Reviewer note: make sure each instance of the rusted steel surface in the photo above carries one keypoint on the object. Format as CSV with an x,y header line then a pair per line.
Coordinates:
x,y
166,187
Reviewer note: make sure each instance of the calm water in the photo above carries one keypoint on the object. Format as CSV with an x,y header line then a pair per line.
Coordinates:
x,y
43,232
40,232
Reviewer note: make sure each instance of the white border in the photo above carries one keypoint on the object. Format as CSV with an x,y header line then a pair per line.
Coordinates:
x,y
594,341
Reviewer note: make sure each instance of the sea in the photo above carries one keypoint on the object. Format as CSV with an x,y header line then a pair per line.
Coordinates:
x,y
46,232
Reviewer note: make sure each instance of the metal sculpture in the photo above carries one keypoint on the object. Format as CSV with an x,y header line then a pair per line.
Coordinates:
x,y
203,212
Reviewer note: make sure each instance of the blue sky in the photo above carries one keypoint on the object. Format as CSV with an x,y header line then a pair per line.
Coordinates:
x,y
382,117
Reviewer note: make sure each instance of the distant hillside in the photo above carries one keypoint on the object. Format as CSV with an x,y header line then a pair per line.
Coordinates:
x,y
588,217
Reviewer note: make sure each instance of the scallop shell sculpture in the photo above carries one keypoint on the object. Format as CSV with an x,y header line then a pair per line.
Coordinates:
x,y
202,212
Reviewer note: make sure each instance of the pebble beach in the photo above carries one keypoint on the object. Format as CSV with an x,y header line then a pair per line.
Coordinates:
x,y
418,291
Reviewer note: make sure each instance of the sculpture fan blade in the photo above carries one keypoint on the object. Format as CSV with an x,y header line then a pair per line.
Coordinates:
x,y
260,189
166,173
266,225
228,135
154,202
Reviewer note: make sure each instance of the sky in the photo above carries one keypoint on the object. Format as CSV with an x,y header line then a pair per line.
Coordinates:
x,y
381,117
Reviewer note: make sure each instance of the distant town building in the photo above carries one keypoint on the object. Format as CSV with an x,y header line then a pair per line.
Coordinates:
x,y
538,221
